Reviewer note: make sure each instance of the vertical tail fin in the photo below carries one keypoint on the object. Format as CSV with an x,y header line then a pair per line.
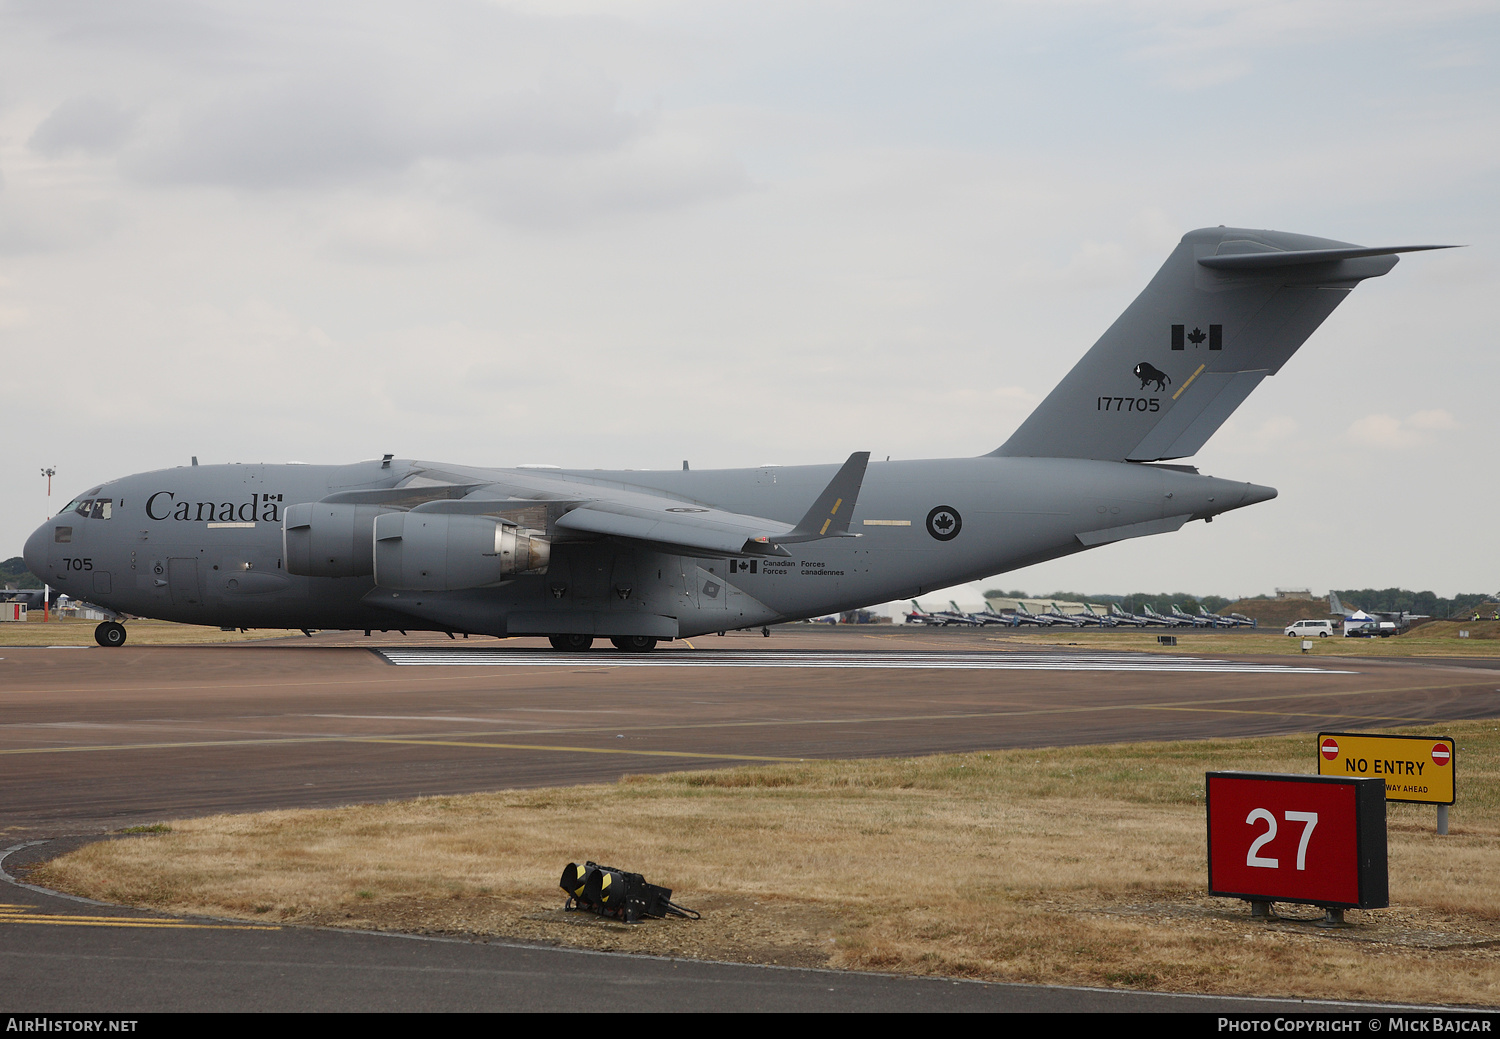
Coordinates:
x,y
1228,308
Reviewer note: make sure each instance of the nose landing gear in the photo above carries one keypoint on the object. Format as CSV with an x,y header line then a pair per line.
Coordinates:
x,y
110,634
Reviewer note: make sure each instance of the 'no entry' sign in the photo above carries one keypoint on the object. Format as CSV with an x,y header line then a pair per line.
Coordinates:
x,y
1415,769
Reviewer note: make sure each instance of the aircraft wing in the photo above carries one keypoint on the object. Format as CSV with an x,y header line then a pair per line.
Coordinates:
x,y
650,517
564,506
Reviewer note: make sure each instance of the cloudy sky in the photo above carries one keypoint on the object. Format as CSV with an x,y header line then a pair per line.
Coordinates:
x,y
620,235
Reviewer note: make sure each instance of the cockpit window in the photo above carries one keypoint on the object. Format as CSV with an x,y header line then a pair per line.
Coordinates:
x,y
95,508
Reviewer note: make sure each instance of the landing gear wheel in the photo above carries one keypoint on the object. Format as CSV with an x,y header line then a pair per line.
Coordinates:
x,y
634,643
110,634
571,643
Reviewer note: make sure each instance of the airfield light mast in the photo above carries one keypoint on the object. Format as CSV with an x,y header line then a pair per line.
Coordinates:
x,y
49,472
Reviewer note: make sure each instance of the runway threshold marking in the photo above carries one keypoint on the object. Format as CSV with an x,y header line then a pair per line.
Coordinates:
x,y
582,750
446,657
22,914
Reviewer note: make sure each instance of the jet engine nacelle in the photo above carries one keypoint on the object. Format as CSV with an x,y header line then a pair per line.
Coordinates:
x,y
327,540
440,552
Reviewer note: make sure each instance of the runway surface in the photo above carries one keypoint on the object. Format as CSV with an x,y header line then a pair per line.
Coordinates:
x,y
96,739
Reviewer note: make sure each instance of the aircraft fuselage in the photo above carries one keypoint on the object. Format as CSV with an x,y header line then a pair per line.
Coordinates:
x,y
204,544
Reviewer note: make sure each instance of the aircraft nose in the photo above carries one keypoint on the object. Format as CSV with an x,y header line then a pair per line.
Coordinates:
x,y
35,551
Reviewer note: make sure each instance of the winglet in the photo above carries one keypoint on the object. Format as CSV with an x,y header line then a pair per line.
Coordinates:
x,y
829,515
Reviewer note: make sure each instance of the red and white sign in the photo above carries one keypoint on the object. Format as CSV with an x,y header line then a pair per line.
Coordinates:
x,y
1440,754
1291,838
1330,747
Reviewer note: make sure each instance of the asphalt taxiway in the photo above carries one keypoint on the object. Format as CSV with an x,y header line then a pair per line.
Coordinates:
x,y
97,739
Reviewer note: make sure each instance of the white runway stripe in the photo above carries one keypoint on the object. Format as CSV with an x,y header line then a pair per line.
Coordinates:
x,y
455,657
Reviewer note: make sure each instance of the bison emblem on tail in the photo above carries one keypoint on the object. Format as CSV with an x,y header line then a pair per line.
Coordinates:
x,y
1147,372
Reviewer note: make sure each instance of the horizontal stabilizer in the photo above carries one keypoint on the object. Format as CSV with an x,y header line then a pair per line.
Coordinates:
x,y
1258,261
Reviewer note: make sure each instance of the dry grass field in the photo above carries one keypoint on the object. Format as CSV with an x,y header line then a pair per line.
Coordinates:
x,y
1080,865
69,631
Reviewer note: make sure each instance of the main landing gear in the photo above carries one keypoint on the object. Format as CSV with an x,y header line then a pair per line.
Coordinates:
x,y
110,634
579,643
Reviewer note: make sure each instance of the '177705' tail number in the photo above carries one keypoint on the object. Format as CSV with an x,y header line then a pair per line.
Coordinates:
x,y
1128,404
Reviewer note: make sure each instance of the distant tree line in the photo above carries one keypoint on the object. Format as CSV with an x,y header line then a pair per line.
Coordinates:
x,y
1131,603
1387,600
13,573
1384,600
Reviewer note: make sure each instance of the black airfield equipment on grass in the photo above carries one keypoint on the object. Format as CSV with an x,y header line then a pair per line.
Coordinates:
x,y
614,893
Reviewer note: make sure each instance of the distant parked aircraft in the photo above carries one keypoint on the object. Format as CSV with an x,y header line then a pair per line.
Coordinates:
x,y
940,618
1119,616
979,620
1025,616
32,597
1202,621
1232,620
994,616
917,615
1059,617
1152,617
1398,617
1104,620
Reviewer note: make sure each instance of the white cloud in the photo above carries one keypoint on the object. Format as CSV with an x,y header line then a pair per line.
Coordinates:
x,y
1383,430
1259,436
1435,421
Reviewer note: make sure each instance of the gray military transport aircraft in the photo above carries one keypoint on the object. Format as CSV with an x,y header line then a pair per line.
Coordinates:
x,y
637,557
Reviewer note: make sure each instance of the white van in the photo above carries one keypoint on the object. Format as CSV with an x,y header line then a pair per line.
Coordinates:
x,y
1307,629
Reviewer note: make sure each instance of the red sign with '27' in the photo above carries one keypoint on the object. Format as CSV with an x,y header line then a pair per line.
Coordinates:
x,y
1291,838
